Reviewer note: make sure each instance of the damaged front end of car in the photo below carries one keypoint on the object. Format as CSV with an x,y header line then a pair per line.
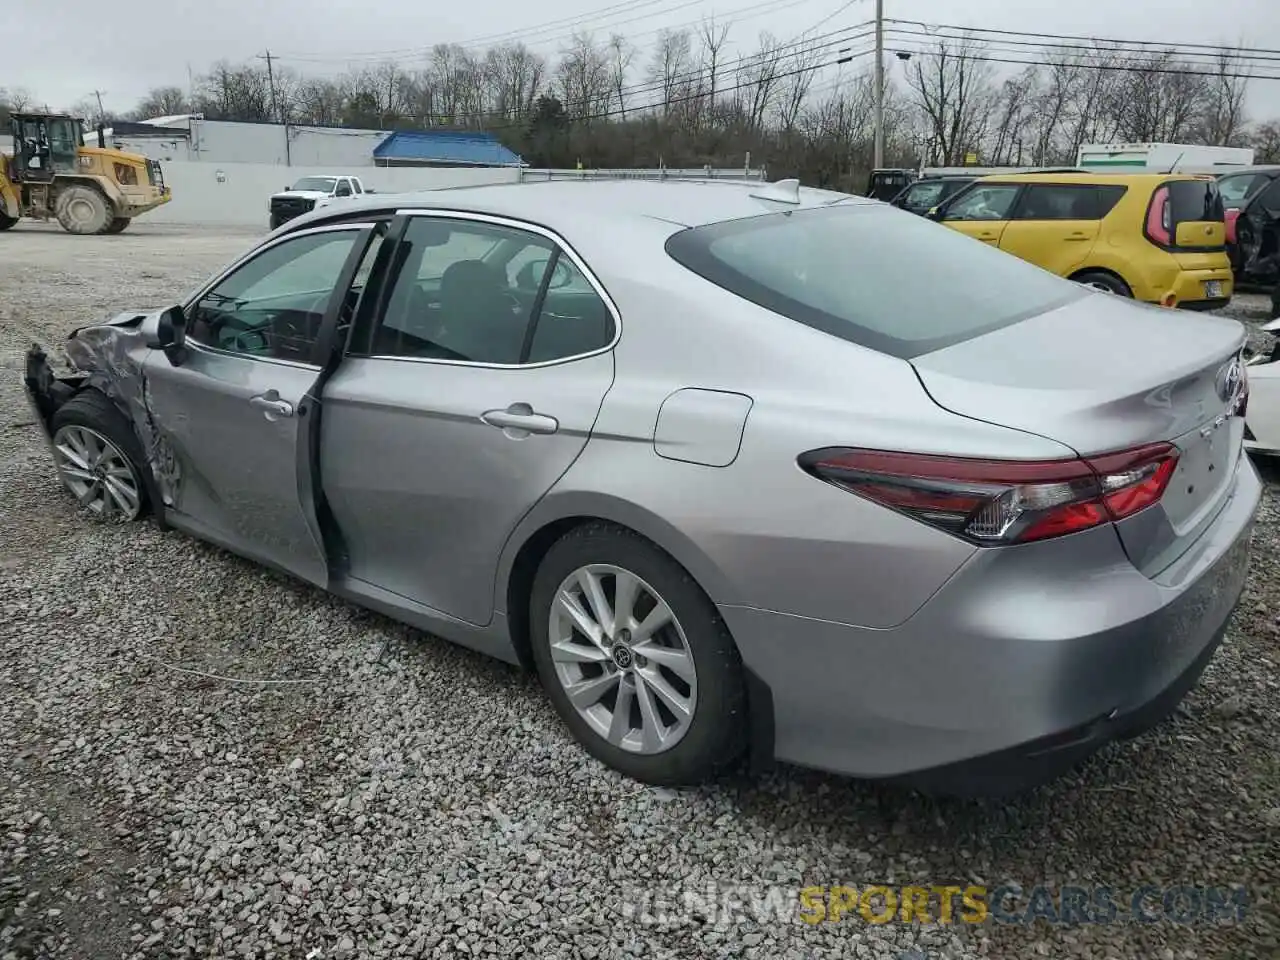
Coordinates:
x,y
111,357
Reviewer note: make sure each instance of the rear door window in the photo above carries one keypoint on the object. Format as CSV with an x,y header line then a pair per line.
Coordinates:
x,y
854,272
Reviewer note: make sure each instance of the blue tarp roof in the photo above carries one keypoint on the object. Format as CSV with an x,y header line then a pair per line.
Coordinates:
x,y
446,146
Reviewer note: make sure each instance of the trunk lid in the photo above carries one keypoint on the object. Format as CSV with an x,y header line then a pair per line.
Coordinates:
x,y
1102,374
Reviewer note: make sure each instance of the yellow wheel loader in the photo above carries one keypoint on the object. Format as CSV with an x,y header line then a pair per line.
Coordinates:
x,y
52,174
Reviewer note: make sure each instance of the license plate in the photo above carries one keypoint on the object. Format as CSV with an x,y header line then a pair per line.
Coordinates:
x,y
1213,289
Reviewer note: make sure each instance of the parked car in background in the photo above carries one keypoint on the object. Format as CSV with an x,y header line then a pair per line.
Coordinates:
x,y
888,183
303,196
1255,247
1154,237
1262,424
724,486
1238,188
928,192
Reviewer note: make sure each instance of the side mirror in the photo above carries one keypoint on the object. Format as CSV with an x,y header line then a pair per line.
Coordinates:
x,y
934,213
171,335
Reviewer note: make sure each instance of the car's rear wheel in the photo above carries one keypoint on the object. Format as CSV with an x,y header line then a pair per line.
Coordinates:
x,y
636,658
99,458
1106,282
6,221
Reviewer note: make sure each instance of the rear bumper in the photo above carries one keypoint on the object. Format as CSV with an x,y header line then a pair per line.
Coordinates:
x,y
1189,287
1027,660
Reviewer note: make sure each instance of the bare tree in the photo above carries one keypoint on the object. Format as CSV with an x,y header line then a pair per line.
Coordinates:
x,y
1265,141
230,92
583,79
514,75
671,66
713,37
319,101
1224,116
162,102
621,53
758,80
1014,115
793,86
953,91
1157,100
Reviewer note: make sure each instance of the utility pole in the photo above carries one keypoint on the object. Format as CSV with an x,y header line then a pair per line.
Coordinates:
x,y
878,156
275,108
102,115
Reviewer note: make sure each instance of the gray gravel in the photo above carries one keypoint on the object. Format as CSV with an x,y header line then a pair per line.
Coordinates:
x,y
402,797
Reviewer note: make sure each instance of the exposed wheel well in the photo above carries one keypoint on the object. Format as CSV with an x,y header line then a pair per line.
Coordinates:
x,y
520,583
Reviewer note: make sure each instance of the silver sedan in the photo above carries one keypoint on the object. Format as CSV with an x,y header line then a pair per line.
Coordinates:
x,y
736,468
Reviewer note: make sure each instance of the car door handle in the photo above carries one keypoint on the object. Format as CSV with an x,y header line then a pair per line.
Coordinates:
x,y
1077,236
520,417
271,405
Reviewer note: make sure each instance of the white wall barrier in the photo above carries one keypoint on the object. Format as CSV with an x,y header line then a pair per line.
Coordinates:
x,y
237,194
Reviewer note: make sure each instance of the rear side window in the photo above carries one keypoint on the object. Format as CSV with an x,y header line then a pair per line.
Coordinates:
x,y
855,272
1067,201
1239,187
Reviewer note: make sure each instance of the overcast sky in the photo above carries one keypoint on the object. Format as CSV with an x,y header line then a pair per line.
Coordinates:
x,y
62,51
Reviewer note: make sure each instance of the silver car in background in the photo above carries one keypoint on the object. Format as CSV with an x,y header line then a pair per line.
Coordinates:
x,y
736,468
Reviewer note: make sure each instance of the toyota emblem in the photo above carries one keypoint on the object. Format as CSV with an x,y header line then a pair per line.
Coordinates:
x,y
1229,378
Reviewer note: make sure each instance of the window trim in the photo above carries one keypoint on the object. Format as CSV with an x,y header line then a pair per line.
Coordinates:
x,y
245,259
406,215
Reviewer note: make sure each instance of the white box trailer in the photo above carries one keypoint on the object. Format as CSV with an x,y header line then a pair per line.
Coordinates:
x,y
1161,158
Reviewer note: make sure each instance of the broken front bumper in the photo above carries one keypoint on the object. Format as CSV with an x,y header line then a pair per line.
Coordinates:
x,y
45,391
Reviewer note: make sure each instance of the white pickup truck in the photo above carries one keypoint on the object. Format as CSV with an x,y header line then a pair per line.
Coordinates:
x,y
306,193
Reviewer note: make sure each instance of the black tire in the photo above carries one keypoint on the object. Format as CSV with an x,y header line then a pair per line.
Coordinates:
x,y
83,210
1108,282
90,408
718,731
6,222
1275,302
118,225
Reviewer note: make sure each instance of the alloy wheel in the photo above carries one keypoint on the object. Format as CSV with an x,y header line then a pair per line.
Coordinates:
x,y
97,473
623,659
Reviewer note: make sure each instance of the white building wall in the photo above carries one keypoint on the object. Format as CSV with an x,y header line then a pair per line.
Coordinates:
x,y
326,147
240,197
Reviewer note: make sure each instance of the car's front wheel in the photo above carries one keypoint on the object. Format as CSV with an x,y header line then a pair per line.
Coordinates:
x,y
99,458
636,658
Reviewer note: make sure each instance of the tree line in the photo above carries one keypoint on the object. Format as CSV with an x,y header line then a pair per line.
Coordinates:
x,y
685,103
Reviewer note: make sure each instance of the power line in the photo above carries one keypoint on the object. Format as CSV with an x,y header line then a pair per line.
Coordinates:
x,y
1113,47
1136,67
530,38
1159,44
494,38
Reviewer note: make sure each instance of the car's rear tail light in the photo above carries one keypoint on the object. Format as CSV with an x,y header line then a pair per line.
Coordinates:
x,y
1160,218
997,502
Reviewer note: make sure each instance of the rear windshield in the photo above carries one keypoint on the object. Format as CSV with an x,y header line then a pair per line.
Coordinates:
x,y
1193,201
874,276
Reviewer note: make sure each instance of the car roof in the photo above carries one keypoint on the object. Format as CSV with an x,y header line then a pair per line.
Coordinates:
x,y
1090,177
685,203
1258,168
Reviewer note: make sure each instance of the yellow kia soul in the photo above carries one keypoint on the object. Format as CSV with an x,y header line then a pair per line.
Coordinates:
x,y
1156,237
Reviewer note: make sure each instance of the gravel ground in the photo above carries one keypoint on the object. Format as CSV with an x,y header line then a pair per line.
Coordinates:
x,y
380,793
